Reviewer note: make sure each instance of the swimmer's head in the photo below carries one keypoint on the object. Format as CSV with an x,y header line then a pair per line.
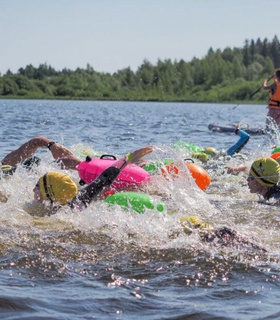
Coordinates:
x,y
265,171
277,74
211,151
193,222
57,187
200,156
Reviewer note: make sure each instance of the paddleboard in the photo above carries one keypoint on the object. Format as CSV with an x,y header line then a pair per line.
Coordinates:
x,y
231,128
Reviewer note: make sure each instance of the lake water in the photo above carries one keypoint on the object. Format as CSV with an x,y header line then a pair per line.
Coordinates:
x,y
108,263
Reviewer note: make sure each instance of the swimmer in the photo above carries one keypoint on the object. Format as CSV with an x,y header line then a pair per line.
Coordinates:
x,y
223,236
275,154
58,189
210,152
263,179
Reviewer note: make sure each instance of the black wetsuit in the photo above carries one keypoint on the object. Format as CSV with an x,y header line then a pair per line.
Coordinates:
x,y
88,193
273,193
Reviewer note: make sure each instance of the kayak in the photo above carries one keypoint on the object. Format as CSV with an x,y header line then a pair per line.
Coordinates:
x,y
232,128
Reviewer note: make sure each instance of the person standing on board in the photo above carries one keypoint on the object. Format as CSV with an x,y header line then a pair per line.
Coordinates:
x,y
274,97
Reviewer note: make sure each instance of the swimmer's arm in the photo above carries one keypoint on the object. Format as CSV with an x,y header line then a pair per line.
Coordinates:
x,y
70,161
133,157
236,169
89,193
244,138
64,156
25,151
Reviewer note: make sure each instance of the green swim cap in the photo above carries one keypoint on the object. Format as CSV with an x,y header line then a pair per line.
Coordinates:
x,y
277,149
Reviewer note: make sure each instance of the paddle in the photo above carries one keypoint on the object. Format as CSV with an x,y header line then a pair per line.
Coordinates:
x,y
251,95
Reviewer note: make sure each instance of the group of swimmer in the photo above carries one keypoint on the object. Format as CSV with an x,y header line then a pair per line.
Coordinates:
x,y
56,189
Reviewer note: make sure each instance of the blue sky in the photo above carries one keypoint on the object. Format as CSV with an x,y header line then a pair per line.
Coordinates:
x,y
114,34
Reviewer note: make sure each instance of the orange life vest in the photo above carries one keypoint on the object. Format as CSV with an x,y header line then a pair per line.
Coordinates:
x,y
274,96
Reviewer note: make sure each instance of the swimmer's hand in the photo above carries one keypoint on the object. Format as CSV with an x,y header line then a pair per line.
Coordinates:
x,y
235,170
136,155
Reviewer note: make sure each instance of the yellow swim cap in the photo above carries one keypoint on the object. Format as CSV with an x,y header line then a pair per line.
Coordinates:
x,y
57,186
200,156
266,171
211,151
195,222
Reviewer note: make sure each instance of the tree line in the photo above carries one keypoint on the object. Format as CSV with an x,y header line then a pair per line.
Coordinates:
x,y
228,75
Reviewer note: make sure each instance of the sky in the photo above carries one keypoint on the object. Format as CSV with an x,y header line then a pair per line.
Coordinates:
x,y
111,35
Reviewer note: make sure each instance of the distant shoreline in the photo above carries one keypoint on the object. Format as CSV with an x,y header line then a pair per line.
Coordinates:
x,y
255,102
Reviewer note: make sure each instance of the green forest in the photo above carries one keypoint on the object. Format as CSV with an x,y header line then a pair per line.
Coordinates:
x,y
228,75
